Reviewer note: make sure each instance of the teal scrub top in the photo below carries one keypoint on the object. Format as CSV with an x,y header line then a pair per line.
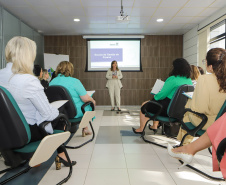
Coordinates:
x,y
75,88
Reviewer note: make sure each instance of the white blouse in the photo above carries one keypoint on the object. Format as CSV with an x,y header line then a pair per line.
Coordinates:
x,y
30,97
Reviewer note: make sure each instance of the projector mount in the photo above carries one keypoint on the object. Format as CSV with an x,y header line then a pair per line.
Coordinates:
x,y
122,17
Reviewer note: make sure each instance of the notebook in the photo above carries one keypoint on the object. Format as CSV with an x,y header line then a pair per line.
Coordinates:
x,y
157,87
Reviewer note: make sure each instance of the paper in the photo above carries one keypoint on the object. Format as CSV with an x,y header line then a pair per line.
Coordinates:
x,y
188,94
157,87
90,93
59,103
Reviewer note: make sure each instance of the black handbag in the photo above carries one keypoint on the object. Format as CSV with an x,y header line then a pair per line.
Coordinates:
x,y
171,129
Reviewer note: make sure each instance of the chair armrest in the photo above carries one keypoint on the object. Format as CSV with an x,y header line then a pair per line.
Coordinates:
x,y
200,126
147,114
59,117
86,104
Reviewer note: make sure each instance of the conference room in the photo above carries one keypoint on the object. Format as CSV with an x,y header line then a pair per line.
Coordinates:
x,y
120,91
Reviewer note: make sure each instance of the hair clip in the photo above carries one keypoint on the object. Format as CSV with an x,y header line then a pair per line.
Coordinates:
x,y
221,57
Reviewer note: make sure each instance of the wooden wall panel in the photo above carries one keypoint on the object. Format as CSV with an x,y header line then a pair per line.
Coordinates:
x,y
157,55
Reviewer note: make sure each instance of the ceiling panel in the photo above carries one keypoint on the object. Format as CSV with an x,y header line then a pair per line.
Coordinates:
x,y
72,10
165,12
199,3
143,11
208,11
180,20
98,19
218,4
118,25
94,3
173,3
125,3
66,2
139,19
147,3
95,11
39,3
99,16
190,11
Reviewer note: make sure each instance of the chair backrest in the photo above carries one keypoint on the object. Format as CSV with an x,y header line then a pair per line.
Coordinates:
x,y
57,92
15,131
222,110
178,102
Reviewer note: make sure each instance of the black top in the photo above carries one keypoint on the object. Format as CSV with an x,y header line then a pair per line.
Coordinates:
x,y
45,84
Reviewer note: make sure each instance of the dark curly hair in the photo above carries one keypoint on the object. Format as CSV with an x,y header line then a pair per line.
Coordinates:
x,y
217,58
181,67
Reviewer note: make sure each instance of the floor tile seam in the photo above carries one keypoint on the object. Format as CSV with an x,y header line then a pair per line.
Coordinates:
x,y
91,154
160,158
125,159
174,180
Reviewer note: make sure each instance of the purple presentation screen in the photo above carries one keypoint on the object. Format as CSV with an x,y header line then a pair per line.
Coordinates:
x,y
106,55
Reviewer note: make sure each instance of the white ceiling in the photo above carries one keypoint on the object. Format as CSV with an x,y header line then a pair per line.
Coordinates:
x,y
55,17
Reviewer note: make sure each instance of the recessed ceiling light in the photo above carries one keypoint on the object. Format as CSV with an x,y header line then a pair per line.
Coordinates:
x,y
76,20
159,20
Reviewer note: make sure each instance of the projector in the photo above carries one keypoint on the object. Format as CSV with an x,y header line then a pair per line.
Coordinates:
x,y
123,19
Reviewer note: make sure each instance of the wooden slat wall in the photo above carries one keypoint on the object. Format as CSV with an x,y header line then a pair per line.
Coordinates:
x,y
157,54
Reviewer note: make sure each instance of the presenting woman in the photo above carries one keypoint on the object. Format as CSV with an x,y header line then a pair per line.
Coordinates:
x,y
114,76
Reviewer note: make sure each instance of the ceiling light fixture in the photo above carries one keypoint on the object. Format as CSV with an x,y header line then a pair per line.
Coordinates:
x,y
159,20
76,20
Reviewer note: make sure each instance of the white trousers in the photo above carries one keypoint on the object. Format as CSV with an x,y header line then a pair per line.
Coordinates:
x,y
114,91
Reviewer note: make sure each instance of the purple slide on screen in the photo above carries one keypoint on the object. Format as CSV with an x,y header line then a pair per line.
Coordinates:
x,y
106,55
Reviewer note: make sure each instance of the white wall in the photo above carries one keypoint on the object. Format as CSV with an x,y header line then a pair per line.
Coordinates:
x,y
192,43
190,46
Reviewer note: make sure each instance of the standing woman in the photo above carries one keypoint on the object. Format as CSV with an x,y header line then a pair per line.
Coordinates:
x,y
114,76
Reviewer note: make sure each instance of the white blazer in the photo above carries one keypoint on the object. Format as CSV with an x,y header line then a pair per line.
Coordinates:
x,y
109,77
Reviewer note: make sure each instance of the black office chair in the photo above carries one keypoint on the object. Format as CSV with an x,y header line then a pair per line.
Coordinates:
x,y
15,137
175,110
57,92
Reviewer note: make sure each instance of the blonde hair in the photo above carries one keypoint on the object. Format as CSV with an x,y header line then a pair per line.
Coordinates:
x,y
21,51
65,68
195,73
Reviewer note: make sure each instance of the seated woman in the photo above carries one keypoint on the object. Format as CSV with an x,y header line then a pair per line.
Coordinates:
x,y
44,81
212,137
64,73
201,70
210,92
38,71
194,74
19,80
180,75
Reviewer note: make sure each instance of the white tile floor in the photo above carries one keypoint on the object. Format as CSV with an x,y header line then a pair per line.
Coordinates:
x,y
129,162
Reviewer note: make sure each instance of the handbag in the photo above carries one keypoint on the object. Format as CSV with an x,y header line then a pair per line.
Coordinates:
x,y
171,129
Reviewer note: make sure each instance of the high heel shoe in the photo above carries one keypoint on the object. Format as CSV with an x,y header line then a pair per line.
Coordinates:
x,y
85,132
112,109
59,160
186,158
134,130
154,130
119,109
